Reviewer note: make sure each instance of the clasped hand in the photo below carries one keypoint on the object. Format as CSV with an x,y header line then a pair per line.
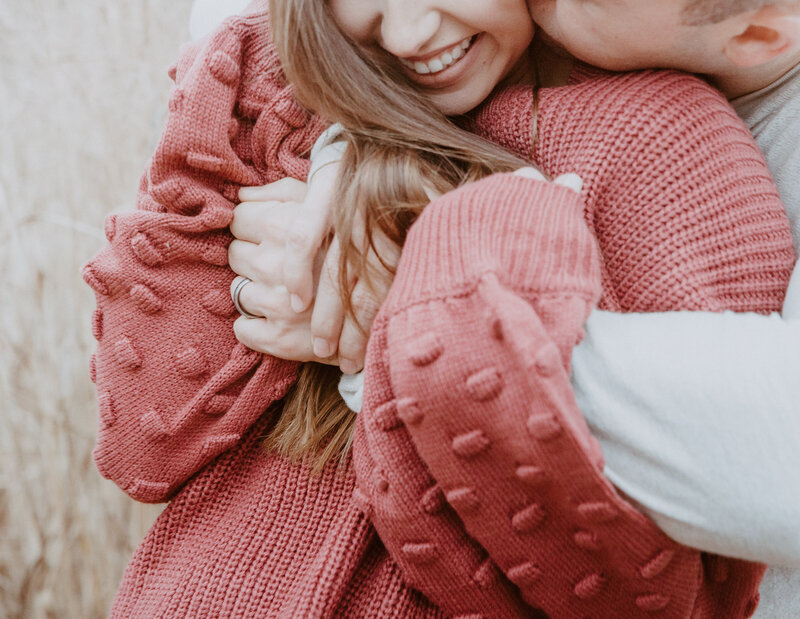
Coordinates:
x,y
280,234
284,243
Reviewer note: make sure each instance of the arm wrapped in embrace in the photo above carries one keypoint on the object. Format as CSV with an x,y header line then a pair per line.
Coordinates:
x,y
472,457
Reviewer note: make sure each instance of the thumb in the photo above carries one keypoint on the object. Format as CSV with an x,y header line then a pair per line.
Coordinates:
x,y
285,190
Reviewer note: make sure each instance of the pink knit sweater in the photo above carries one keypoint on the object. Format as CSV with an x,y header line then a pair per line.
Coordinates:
x,y
470,458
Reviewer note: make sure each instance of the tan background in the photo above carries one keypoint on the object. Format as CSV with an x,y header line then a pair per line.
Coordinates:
x,y
83,87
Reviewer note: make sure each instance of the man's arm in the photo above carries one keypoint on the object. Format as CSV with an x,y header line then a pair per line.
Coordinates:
x,y
697,415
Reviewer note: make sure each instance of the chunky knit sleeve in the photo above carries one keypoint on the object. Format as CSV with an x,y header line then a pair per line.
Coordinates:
x,y
678,195
457,323
504,510
175,389
470,378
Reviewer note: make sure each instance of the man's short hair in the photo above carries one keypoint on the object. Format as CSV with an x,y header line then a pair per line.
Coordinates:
x,y
702,12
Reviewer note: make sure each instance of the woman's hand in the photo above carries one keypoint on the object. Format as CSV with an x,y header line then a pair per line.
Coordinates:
x,y
336,331
280,230
260,228
276,328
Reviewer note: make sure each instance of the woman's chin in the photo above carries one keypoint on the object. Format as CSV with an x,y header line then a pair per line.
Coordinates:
x,y
458,103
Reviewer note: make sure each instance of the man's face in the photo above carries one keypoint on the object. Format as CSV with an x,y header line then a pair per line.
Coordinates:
x,y
624,35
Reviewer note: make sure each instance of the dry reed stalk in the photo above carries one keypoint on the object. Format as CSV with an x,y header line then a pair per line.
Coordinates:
x,y
83,88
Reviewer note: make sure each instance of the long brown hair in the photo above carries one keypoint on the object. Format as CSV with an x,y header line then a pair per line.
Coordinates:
x,y
399,143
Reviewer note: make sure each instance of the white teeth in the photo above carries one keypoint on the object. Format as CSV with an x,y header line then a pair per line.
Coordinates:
x,y
446,59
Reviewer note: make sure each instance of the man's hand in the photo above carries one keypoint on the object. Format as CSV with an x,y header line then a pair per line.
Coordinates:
x,y
570,180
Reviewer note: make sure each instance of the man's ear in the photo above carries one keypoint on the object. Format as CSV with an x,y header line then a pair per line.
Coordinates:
x,y
766,34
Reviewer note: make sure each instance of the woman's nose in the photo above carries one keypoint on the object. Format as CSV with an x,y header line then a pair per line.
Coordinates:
x,y
406,29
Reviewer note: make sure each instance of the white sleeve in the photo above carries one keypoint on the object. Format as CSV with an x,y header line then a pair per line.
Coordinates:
x,y
351,388
698,416
791,305
327,149
206,15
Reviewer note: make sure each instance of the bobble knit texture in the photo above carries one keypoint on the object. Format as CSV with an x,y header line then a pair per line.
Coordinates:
x,y
472,352
490,512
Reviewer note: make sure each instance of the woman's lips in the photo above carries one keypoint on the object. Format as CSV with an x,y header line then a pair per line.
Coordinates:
x,y
448,75
438,60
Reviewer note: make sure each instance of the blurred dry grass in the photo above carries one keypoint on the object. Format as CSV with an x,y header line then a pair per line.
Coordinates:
x,y
83,87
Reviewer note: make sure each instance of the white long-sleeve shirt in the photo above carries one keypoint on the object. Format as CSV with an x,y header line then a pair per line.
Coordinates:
x,y
698,415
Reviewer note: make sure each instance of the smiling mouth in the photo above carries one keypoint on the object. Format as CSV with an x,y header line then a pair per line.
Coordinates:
x,y
440,62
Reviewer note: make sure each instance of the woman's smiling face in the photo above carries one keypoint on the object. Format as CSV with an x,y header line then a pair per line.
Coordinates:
x,y
456,51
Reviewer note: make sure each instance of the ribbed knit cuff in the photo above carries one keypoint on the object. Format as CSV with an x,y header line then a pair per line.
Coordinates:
x,y
531,233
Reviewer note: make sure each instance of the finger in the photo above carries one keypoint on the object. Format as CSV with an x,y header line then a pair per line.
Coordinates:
x,y
259,335
262,336
354,343
383,254
303,242
366,297
306,235
241,255
256,299
356,327
571,180
260,263
251,332
431,192
327,315
259,221
238,285
259,300
530,172
285,190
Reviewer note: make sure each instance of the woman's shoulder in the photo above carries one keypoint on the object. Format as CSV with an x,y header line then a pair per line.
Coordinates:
x,y
641,106
664,91
663,86
238,53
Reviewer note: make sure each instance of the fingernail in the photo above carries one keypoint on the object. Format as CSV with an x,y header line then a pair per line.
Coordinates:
x,y
297,303
321,348
348,366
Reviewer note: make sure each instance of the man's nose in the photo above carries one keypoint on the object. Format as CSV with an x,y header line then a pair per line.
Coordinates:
x,y
406,30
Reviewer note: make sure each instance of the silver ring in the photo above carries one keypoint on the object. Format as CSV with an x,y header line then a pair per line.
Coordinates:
x,y
235,297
